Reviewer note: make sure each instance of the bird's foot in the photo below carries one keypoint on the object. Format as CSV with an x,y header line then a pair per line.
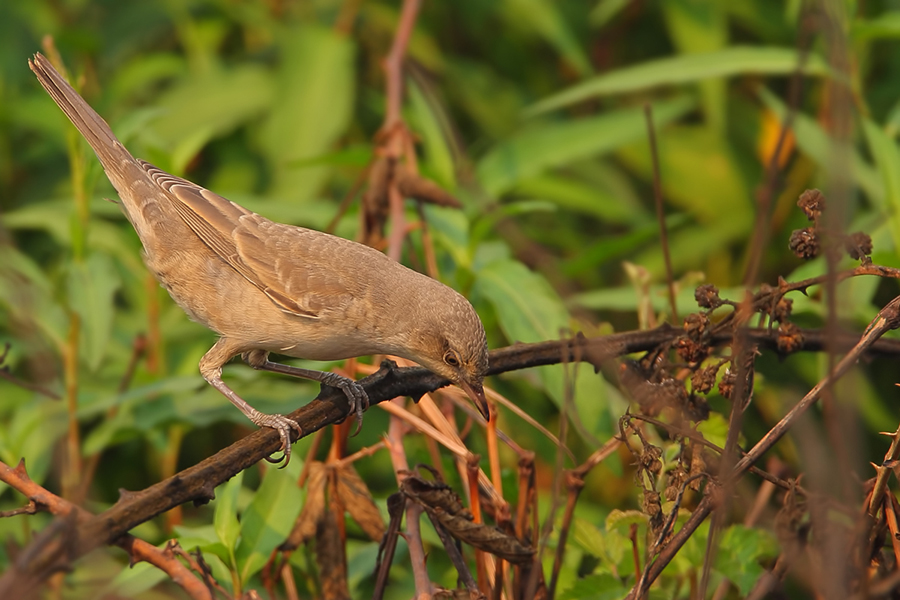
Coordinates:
x,y
356,394
283,426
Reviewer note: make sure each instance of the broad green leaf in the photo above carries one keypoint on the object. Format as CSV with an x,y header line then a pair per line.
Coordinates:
x,y
529,310
602,586
605,11
140,393
312,107
136,580
205,539
715,428
715,193
268,520
483,227
439,158
681,69
701,27
491,101
619,247
885,25
225,519
741,550
589,537
817,144
144,70
887,160
204,107
27,294
625,298
573,194
450,229
621,520
32,431
92,287
551,144
544,17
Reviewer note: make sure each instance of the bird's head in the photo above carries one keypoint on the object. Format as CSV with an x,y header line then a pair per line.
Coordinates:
x,y
450,342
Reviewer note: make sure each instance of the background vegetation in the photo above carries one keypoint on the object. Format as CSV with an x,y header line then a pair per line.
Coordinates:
x,y
531,112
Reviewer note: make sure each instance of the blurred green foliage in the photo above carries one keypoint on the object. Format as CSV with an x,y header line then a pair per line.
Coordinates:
x,y
530,111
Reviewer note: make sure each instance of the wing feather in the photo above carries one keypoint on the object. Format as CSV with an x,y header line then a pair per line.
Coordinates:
x,y
265,253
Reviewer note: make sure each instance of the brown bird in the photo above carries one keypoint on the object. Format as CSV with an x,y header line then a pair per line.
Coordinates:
x,y
268,287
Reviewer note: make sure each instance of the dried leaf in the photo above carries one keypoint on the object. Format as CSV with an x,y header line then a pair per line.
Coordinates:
x,y
313,509
355,496
444,506
424,190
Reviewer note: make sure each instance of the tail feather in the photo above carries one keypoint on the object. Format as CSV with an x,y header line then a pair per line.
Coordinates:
x,y
96,131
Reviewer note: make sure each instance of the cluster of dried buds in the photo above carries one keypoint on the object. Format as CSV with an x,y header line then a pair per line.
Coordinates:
x,y
807,243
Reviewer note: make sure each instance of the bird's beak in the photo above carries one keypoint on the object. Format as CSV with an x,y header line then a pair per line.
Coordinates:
x,y
475,392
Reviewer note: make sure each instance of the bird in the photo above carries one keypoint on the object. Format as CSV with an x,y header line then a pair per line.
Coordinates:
x,y
266,287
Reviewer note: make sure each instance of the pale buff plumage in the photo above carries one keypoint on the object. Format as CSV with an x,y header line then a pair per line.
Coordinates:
x,y
270,287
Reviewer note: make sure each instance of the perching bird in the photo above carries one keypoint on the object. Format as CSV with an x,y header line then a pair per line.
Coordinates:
x,y
268,287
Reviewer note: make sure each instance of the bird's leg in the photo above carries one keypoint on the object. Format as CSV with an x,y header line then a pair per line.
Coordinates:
x,y
356,394
211,370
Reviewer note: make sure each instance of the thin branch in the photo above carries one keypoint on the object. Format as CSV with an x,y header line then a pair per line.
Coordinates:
x,y
660,211
888,318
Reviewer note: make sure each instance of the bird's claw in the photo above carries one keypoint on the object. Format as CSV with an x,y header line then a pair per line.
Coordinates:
x,y
356,395
359,402
283,426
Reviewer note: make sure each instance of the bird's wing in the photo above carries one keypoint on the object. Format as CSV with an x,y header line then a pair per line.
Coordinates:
x,y
299,267
281,260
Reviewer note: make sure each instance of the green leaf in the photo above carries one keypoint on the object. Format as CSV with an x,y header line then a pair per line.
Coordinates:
x,y
887,159
312,107
817,144
135,580
701,27
684,68
602,586
529,310
544,17
438,157
589,537
268,520
543,146
575,195
225,520
27,294
202,108
716,193
605,11
622,520
92,287
885,25
740,551
625,298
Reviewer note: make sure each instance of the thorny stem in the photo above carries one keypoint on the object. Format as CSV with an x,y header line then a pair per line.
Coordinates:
x,y
888,318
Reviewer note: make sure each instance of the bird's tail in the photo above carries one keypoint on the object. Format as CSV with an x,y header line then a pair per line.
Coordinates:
x,y
106,146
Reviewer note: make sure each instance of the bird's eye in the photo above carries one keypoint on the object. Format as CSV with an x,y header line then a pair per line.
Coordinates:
x,y
451,359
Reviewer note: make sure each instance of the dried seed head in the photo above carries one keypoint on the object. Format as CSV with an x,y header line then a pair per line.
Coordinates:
x,y
804,243
702,381
707,296
858,245
782,310
790,338
726,384
812,203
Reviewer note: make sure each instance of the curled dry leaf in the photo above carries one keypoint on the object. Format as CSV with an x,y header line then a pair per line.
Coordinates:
x,y
312,511
424,190
356,498
444,507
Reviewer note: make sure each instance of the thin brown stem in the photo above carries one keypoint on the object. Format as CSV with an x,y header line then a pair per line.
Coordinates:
x,y
660,210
